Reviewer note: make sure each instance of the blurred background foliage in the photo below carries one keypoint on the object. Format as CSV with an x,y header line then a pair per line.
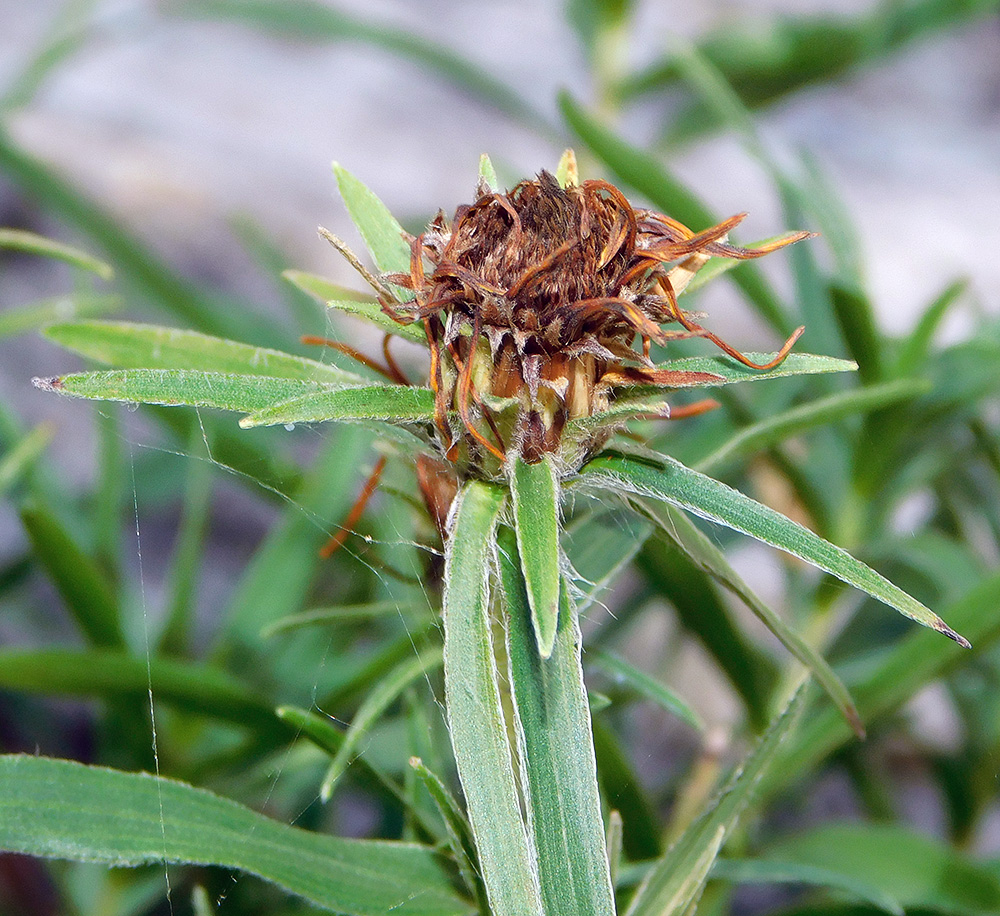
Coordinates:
x,y
185,145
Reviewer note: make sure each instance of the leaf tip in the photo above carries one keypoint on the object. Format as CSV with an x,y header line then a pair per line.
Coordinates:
x,y
942,627
54,383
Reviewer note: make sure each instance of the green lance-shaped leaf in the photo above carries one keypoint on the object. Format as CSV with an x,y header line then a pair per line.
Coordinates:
x,y
676,880
63,810
712,500
383,235
558,766
535,489
729,370
475,714
173,387
709,558
30,243
145,346
381,697
393,403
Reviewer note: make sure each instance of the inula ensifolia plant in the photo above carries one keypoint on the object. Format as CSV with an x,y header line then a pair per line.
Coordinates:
x,y
539,308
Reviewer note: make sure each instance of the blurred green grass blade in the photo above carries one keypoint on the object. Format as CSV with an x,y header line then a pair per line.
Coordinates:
x,y
193,688
17,461
372,313
83,587
136,266
271,262
392,403
643,684
277,580
676,880
624,793
765,61
917,345
767,871
127,345
313,22
383,235
320,730
919,871
488,174
644,173
797,420
322,289
705,554
895,676
856,318
188,552
475,714
59,308
31,243
177,387
601,544
68,33
381,697
346,613
556,756
698,604
61,809
712,500
535,492
457,827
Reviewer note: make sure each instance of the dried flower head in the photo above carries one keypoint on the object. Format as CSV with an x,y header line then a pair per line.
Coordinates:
x,y
540,303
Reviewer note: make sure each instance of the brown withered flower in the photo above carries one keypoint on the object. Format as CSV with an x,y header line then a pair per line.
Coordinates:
x,y
540,303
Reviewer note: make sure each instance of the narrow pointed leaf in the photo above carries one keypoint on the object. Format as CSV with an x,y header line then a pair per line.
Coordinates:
x,y
60,809
712,500
31,243
396,403
173,387
381,231
535,490
729,370
144,346
384,693
475,715
708,557
643,684
457,829
677,879
559,770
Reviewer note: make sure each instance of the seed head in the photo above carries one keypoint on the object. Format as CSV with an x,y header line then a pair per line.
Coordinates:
x,y
540,303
